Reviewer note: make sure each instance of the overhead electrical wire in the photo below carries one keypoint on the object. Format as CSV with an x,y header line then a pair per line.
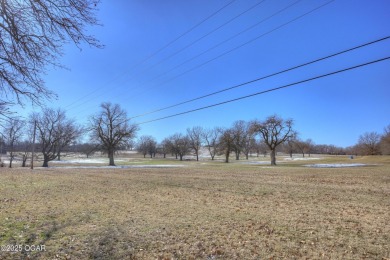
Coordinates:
x,y
205,35
264,77
187,32
265,91
193,42
239,46
229,39
235,48
159,50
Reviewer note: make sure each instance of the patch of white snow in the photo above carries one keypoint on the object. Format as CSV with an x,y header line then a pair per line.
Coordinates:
x,y
335,165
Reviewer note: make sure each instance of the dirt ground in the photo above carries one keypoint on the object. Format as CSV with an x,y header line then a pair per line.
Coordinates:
x,y
198,211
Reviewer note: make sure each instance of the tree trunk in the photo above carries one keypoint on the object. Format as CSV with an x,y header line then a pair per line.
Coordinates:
x,y
45,161
111,157
237,155
273,157
24,159
181,157
197,156
164,155
11,157
227,154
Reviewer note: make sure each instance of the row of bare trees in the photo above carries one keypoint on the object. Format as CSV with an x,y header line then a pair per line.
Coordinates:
x,y
53,132
51,129
372,143
242,138
110,130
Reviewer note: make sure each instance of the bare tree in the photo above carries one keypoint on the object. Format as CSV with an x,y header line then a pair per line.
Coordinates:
x,y
195,137
304,147
289,146
152,147
164,147
87,148
211,138
13,131
260,147
180,145
147,145
243,138
274,131
24,149
32,36
67,142
111,128
142,145
54,132
130,144
239,131
369,143
226,142
309,146
328,149
248,139
171,145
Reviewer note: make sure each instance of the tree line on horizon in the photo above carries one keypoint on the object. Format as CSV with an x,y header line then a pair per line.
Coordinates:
x,y
110,130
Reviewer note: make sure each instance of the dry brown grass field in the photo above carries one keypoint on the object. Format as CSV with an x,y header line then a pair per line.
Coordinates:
x,y
202,210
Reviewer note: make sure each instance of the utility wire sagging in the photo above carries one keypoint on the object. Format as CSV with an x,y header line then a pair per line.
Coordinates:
x,y
264,77
266,91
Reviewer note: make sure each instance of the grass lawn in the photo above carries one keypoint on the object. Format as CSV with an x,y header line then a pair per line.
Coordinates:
x,y
199,211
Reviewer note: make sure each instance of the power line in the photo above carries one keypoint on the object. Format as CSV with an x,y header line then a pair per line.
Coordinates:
x,y
263,77
188,31
160,49
207,34
192,43
228,39
235,48
241,45
266,91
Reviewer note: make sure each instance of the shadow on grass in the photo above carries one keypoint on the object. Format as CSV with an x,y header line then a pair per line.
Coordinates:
x,y
111,243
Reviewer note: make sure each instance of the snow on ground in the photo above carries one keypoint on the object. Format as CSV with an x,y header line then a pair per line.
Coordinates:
x,y
257,162
121,166
87,161
127,152
301,158
335,165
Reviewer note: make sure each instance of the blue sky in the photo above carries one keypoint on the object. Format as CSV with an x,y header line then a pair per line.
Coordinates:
x,y
331,110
